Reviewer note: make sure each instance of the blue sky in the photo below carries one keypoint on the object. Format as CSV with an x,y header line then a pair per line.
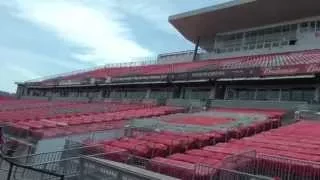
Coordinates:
x,y
46,37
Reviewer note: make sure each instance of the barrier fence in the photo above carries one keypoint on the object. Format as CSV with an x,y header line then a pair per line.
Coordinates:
x,y
104,169
246,165
14,171
205,172
277,167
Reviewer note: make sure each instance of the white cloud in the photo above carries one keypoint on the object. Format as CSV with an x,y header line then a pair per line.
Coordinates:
x,y
25,57
101,25
103,31
154,11
24,65
157,12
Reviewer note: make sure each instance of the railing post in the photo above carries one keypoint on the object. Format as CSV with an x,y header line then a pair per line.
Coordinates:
x,y
81,168
44,168
195,53
10,171
289,173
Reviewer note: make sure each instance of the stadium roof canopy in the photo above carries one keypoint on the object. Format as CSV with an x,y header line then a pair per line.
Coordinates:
x,y
241,14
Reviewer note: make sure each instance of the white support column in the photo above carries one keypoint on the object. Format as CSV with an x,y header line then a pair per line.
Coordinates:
x,y
280,94
148,93
212,94
255,94
182,92
19,91
225,96
243,40
215,44
112,93
316,93
100,94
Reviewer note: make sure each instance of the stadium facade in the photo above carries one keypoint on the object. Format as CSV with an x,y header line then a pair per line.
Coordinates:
x,y
266,50
260,56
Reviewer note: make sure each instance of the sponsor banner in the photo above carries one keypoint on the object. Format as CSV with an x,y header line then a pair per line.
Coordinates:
x,y
225,73
280,71
249,72
49,84
139,78
64,83
313,68
181,76
291,70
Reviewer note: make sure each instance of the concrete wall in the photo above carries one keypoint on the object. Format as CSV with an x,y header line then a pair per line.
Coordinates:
x,y
186,102
34,97
258,104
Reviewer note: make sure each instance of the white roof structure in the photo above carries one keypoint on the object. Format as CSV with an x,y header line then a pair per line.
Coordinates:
x,y
241,14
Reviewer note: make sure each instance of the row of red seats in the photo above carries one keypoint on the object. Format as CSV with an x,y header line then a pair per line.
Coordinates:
x,y
270,113
183,166
271,60
91,122
6,99
73,130
27,104
67,110
165,143
292,149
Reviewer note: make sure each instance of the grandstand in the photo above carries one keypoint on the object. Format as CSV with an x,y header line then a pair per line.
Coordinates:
x,y
226,110
272,58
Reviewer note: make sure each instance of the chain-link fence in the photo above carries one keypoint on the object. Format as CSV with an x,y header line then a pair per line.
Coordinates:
x,y
206,172
278,167
13,171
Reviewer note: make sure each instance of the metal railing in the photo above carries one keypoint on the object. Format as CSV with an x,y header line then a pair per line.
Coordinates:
x,y
244,166
197,172
13,171
69,152
273,166
247,165
137,62
206,172
104,169
306,115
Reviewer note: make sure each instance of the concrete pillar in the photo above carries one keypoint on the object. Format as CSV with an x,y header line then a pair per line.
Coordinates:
x,y
23,91
280,94
182,93
226,94
212,94
148,93
31,92
19,91
316,93
255,94
100,94
112,93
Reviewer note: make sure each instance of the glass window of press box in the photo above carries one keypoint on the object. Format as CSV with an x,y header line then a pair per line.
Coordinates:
x,y
295,94
272,37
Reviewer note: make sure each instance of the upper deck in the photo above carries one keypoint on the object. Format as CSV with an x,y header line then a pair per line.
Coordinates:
x,y
241,14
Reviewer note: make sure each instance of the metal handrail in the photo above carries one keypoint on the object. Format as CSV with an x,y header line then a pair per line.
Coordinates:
x,y
211,169
129,170
262,155
13,164
129,64
37,154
